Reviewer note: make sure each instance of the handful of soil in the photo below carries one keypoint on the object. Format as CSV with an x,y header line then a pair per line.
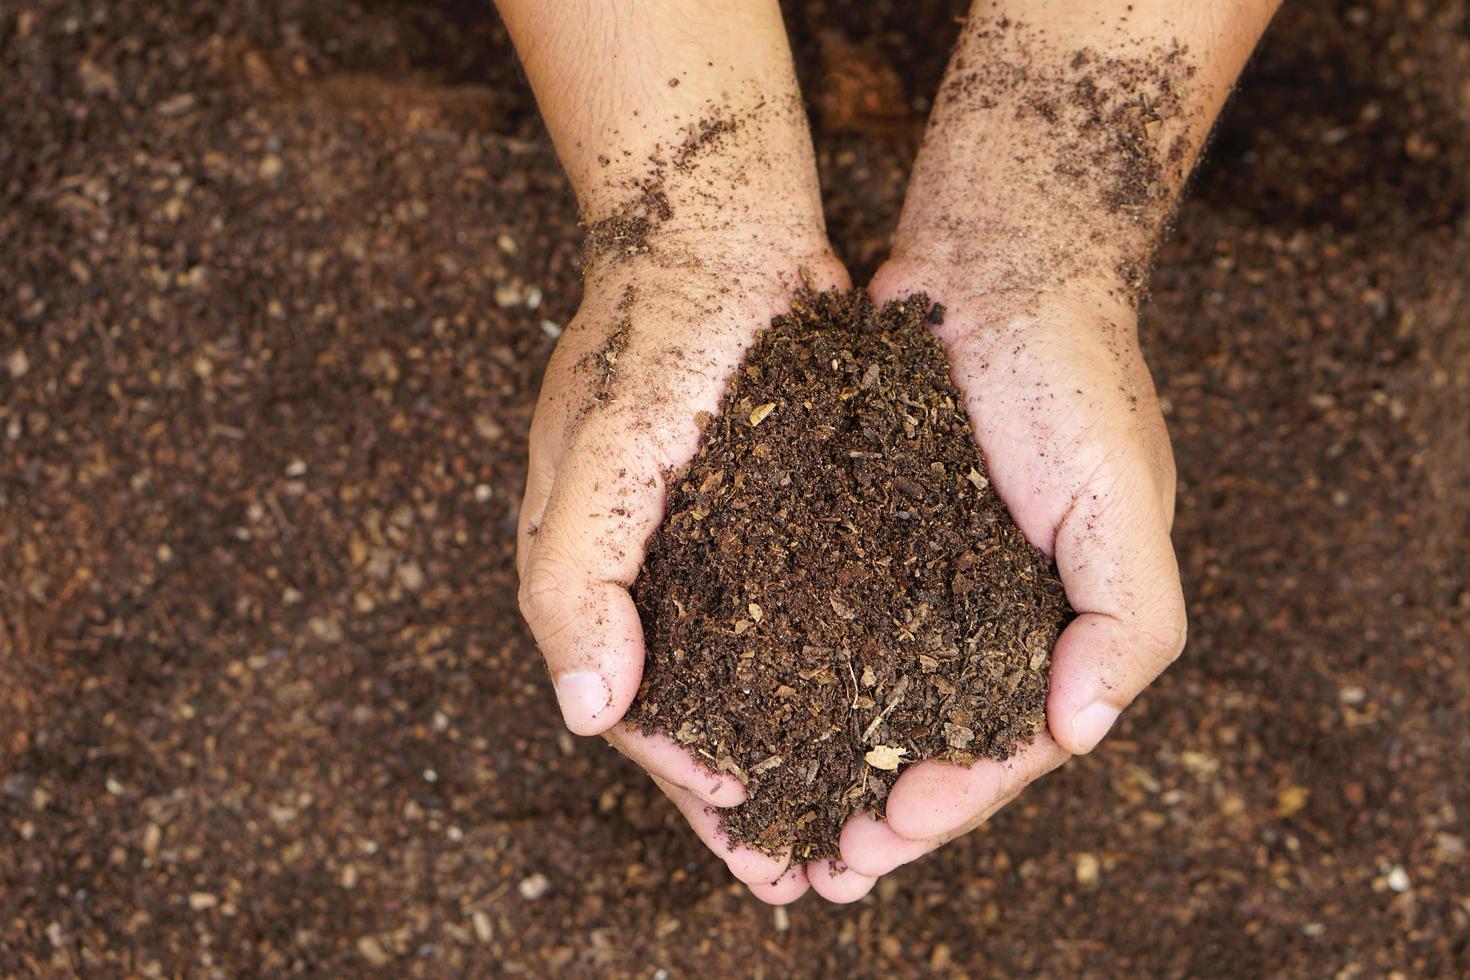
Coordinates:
x,y
836,591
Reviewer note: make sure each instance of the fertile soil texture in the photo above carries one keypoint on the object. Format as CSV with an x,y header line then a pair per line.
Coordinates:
x,y
836,591
278,280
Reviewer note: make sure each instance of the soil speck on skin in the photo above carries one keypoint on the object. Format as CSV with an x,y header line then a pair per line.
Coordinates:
x,y
629,229
1099,145
837,592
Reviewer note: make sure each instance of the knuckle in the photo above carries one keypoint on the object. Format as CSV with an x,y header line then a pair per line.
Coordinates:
x,y
1156,637
543,434
1169,635
544,590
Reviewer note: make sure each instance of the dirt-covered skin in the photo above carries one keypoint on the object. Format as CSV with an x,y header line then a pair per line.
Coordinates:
x,y
1084,150
837,592
687,143
270,705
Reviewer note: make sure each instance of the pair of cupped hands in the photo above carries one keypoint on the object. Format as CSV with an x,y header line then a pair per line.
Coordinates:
x,y
1062,406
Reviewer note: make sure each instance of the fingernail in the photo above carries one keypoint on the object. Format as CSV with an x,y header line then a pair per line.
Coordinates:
x,y
1091,723
583,695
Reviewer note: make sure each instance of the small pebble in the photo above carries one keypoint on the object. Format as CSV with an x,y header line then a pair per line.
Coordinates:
x,y
484,930
371,950
411,576
1088,869
18,364
1449,845
177,105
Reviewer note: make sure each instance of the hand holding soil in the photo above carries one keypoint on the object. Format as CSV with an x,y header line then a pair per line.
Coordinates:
x,y
617,415
1056,151
1066,415
693,166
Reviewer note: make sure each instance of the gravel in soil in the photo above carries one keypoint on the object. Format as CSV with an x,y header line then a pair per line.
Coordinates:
x,y
836,591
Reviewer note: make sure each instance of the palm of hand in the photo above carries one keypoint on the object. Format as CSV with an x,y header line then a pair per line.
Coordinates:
x,y
1066,415
618,410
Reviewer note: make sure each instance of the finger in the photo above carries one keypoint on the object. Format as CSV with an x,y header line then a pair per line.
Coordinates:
x,y
668,760
556,402
540,477
838,883
882,851
791,886
745,863
1159,451
871,847
1118,566
607,500
932,799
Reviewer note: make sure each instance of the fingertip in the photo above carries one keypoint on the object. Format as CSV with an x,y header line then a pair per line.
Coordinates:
x,y
870,847
1092,680
784,891
592,640
749,865
935,801
755,868
725,792
932,798
585,701
838,883
1089,726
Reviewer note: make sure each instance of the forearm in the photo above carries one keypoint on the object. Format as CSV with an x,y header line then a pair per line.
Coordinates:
x,y
1064,132
673,118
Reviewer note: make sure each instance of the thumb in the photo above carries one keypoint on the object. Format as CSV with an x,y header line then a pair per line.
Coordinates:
x,y
584,555
1118,566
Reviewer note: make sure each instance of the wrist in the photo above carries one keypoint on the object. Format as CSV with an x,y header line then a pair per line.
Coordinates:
x,y
743,177
976,296
738,237
1055,155
740,264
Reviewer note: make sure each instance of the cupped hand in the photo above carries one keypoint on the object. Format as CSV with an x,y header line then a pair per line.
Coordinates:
x,y
1065,411
654,344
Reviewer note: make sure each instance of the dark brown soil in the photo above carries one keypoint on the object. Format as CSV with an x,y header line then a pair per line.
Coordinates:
x,y
836,591
277,282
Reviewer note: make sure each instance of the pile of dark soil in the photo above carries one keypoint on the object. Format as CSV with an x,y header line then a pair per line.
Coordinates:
x,y
836,591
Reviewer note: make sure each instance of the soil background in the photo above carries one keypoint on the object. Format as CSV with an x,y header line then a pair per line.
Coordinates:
x,y
277,282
